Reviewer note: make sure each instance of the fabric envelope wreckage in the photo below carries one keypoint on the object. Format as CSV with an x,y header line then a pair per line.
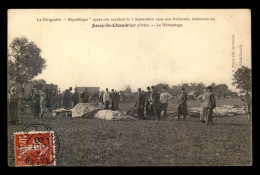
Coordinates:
x,y
93,110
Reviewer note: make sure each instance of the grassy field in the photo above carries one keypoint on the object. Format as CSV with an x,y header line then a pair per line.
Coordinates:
x,y
90,142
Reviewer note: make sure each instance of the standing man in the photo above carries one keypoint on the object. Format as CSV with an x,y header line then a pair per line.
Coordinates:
x,y
248,107
70,98
86,98
13,105
182,107
147,102
113,99
59,100
117,100
164,99
75,97
154,103
65,99
36,103
42,104
139,104
101,97
106,98
210,104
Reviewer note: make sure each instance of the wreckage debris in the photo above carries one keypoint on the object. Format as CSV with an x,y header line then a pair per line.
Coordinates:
x,y
221,111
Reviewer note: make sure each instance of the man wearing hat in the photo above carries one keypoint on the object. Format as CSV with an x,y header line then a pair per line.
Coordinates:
x,y
139,104
210,104
106,98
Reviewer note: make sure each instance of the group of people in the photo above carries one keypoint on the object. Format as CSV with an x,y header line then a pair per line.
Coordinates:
x,y
151,104
208,103
37,99
39,102
112,97
148,104
68,99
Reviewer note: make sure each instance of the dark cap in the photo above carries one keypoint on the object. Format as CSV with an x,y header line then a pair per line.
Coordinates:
x,y
210,87
106,88
139,89
148,88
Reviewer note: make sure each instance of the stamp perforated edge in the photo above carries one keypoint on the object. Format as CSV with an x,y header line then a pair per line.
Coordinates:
x,y
35,132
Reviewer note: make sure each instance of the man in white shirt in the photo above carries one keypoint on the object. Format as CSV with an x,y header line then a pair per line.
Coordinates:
x,y
106,98
164,99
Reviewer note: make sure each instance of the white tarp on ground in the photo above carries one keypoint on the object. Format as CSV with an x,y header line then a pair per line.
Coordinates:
x,y
92,110
225,110
112,115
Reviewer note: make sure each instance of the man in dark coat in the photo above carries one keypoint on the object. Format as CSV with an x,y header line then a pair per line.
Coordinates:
x,y
117,100
147,102
75,97
112,96
66,99
182,107
210,103
139,104
248,107
36,103
154,103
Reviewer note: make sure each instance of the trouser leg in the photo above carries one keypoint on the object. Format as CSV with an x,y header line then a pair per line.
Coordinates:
x,y
209,115
148,112
156,112
35,110
107,104
113,105
159,111
116,105
42,111
140,112
152,109
165,105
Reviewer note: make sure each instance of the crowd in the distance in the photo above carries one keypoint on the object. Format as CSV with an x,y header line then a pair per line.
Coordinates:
x,y
148,104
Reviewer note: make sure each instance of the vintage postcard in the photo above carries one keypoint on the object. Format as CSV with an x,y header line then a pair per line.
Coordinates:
x,y
129,87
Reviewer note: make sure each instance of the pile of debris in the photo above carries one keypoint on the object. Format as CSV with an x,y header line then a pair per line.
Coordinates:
x,y
221,111
97,111
61,112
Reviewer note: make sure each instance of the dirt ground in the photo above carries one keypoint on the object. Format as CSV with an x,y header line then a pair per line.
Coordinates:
x,y
92,142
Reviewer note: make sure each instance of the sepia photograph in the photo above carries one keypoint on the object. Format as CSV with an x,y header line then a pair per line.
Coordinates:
x,y
129,87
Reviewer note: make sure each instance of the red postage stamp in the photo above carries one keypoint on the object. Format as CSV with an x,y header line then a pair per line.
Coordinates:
x,y
35,148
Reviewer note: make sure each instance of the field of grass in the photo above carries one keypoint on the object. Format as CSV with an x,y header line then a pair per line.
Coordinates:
x,y
92,142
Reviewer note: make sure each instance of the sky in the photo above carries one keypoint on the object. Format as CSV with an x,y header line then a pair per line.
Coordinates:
x,y
78,55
